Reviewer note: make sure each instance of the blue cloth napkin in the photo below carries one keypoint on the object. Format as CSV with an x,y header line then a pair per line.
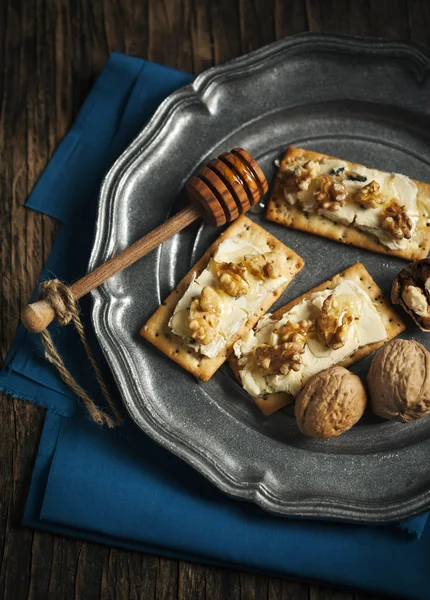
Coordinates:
x,y
119,487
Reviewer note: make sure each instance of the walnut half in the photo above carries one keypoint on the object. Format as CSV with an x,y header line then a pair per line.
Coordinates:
x,y
297,177
330,194
269,265
395,221
369,196
281,358
203,318
333,324
232,278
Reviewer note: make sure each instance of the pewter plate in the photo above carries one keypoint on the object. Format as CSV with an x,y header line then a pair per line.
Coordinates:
x,y
364,100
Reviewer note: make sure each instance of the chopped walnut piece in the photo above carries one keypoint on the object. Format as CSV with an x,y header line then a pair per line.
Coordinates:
x,y
232,278
203,318
295,332
300,175
396,222
336,317
330,194
369,196
281,358
297,177
268,265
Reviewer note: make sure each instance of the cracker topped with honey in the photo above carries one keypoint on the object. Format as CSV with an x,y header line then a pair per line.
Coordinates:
x,y
222,297
337,323
347,202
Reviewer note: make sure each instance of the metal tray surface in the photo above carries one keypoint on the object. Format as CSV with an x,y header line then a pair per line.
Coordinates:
x,y
362,100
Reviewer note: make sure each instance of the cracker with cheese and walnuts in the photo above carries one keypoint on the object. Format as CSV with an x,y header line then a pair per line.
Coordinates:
x,y
234,283
337,323
349,203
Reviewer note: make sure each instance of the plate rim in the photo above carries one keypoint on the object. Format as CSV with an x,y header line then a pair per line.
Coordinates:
x,y
253,491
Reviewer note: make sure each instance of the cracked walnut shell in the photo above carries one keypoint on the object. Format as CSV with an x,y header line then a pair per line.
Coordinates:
x,y
399,381
330,403
411,289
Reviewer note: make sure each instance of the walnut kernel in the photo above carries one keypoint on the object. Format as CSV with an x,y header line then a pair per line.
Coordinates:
x,y
330,194
295,332
268,265
281,358
411,289
369,196
337,315
396,222
232,278
297,177
203,318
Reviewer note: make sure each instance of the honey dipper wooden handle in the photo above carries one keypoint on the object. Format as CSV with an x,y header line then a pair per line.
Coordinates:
x,y
37,316
221,191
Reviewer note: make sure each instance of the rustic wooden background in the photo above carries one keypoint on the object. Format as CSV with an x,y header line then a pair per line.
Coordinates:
x,y
50,53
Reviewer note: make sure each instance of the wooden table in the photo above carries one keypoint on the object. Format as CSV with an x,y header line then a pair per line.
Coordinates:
x,y
50,53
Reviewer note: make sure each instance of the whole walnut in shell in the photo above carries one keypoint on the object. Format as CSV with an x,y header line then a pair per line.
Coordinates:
x,y
330,403
399,381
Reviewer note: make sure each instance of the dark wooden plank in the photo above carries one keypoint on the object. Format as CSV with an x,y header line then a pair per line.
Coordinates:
x,y
286,590
224,29
191,581
222,584
320,593
289,18
419,21
257,24
389,18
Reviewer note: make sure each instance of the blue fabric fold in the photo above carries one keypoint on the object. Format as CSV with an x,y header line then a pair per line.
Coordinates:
x,y
119,487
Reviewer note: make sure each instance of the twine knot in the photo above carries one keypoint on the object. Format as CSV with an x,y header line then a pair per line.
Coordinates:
x,y
61,299
63,303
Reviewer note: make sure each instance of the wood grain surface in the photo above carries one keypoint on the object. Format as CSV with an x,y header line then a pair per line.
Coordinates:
x,y
50,54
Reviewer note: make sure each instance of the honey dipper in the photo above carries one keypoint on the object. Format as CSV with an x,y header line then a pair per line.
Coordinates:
x,y
221,191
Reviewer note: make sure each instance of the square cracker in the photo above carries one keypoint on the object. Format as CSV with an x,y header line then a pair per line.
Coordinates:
x,y
156,329
279,211
391,320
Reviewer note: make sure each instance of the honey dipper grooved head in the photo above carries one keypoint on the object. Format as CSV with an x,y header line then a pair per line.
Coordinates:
x,y
227,186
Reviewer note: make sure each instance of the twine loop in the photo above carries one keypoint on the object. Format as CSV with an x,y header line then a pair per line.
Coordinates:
x,y
60,297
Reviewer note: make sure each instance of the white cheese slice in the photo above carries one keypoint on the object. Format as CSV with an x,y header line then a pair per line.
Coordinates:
x,y
368,329
345,215
234,249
